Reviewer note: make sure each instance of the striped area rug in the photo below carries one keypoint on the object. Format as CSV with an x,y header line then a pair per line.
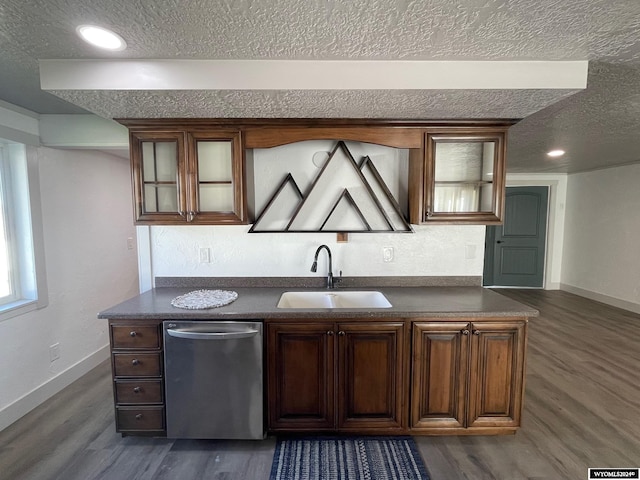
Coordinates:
x,y
347,458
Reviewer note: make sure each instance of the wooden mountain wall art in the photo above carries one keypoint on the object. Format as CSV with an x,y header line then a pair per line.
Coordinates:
x,y
344,197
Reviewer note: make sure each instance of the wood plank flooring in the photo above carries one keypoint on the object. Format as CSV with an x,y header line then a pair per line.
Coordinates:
x,y
582,409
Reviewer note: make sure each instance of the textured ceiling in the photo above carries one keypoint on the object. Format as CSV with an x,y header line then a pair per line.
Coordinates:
x,y
604,31
407,104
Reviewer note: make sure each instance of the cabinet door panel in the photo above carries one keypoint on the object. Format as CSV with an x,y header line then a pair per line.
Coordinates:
x,y
159,181
497,366
463,174
440,365
300,384
371,381
216,172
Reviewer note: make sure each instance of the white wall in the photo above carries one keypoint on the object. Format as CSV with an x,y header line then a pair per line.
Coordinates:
x,y
432,250
87,218
601,257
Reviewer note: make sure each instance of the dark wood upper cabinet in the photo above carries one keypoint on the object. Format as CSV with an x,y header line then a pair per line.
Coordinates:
x,y
184,176
193,170
459,176
216,177
159,175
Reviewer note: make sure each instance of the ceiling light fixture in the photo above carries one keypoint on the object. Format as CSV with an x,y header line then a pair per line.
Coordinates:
x,y
555,153
101,37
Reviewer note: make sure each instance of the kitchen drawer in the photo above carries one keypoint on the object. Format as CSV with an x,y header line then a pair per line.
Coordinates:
x,y
137,364
140,418
135,336
139,391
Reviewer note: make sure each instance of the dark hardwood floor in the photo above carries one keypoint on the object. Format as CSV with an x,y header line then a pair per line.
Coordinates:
x,y
582,409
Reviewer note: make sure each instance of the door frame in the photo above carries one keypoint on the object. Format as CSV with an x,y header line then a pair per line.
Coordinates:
x,y
557,183
490,239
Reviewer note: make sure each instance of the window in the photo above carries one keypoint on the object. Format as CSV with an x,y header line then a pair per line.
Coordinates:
x,y
21,285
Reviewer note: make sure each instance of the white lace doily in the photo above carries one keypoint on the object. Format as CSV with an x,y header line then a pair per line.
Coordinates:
x,y
201,299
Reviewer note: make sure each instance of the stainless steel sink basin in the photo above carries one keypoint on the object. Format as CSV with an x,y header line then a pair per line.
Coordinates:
x,y
333,299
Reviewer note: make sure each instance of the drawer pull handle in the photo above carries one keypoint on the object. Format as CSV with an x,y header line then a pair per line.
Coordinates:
x,y
137,389
139,416
133,333
135,361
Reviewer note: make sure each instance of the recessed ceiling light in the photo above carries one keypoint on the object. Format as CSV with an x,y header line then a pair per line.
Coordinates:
x,y
101,37
555,153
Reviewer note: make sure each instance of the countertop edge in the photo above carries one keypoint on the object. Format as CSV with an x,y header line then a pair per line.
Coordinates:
x,y
260,303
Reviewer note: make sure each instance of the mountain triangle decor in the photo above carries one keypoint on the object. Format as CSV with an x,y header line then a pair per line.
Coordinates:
x,y
344,197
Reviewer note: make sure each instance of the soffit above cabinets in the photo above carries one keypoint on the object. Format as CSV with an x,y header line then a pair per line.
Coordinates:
x,y
312,89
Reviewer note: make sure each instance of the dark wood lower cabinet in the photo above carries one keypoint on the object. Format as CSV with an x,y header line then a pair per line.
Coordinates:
x,y
467,376
496,375
371,376
426,376
439,375
336,376
300,366
138,383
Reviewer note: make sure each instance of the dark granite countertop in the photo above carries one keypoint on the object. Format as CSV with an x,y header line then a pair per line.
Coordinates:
x,y
259,302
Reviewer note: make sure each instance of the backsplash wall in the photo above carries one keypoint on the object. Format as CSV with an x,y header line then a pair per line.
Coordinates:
x,y
450,250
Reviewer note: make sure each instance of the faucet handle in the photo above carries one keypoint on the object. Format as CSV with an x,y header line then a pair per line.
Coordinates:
x,y
338,279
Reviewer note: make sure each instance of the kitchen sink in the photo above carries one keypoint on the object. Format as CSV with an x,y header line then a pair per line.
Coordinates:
x,y
333,299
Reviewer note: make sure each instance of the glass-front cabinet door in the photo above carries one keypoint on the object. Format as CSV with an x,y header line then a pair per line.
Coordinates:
x,y
464,177
185,177
159,184
216,178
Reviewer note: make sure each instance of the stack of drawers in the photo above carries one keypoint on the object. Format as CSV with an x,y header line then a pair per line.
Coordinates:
x,y
136,362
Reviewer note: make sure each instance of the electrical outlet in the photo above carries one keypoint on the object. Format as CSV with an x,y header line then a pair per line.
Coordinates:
x,y
387,254
205,255
54,352
130,243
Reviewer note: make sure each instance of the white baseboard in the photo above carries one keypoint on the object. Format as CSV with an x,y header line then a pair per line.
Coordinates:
x,y
599,297
39,395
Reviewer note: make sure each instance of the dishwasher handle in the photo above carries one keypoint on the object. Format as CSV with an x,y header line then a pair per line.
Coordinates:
x,y
198,335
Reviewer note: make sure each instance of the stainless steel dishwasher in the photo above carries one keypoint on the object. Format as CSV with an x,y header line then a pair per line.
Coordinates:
x,y
214,379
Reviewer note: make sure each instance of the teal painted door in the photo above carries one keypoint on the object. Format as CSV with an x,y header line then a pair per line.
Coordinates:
x,y
515,250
